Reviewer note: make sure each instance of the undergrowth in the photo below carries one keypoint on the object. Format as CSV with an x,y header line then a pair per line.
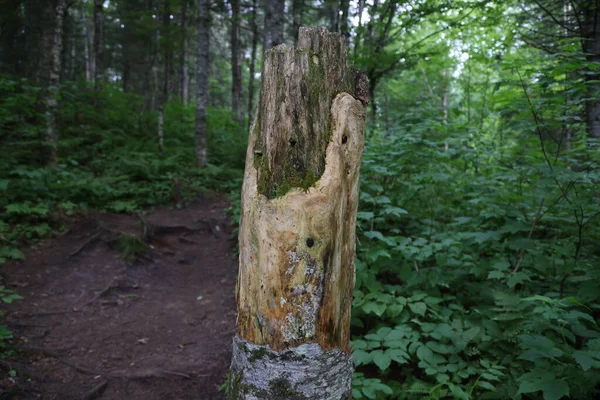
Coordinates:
x,y
108,160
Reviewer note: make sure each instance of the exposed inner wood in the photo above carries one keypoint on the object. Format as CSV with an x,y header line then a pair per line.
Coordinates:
x,y
297,245
293,126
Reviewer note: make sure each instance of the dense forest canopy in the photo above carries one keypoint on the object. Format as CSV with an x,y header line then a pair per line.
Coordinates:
x,y
479,215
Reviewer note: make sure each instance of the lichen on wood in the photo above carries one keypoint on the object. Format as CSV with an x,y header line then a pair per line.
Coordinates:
x,y
306,372
299,203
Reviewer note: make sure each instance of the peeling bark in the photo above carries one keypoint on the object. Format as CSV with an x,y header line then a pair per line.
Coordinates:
x,y
297,233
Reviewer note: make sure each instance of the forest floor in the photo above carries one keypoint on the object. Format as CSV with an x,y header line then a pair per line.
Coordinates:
x,y
94,326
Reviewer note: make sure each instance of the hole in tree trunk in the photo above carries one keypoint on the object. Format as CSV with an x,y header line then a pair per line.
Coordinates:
x,y
344,139
310,242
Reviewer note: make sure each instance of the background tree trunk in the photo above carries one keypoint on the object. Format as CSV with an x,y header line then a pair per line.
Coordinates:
x,y
591,47
185,70
297,17
54,49
98,42
254,27
273,29
202,95
297,232
236,64
167,50
344,21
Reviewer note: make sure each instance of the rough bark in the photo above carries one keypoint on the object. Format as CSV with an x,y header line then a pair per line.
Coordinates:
x,y
98,42
274,23
51,90
236,64
254,27
202,95
297,232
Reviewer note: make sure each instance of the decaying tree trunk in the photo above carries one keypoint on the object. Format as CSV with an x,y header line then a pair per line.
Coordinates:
x,y
297,233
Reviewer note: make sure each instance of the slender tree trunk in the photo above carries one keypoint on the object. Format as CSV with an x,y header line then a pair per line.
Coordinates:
x,y
372,86
236,65
98,43
567,131
297,17
54,49
202,95
185,70
332,13
444,97
361,7
297,232
344,21
167,50
166,82
38,17
591,46
85,50
254,27
274,25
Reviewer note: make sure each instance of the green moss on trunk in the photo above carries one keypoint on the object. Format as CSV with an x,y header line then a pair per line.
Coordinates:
x,y
293,126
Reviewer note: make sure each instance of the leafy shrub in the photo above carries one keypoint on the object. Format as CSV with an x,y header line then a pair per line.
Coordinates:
x,y
108,158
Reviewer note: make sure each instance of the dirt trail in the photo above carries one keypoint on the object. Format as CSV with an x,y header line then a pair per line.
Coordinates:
x,y
93,326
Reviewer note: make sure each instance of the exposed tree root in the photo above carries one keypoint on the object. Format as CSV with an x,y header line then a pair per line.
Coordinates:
x,y
89,241
101,293
96,391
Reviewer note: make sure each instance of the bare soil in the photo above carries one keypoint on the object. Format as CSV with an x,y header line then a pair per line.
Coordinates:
x,y
95,326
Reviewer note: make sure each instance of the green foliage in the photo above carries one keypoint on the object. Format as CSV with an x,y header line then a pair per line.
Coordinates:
x,y
108,158
7,296
478,241
131,247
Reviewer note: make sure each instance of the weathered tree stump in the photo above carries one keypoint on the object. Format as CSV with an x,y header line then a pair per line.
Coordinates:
x,y
297,233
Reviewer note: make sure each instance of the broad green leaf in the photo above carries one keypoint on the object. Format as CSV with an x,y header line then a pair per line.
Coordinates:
x,y
361,357
555,389
374,307
496,275
399,356
381,359
365,215
458,392
418,308
584,359
376,253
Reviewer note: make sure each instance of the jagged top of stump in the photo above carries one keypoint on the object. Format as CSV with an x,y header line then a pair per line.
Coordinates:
x,y
293,125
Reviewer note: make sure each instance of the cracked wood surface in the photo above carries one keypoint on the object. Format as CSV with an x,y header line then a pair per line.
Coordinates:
x,y
297,246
